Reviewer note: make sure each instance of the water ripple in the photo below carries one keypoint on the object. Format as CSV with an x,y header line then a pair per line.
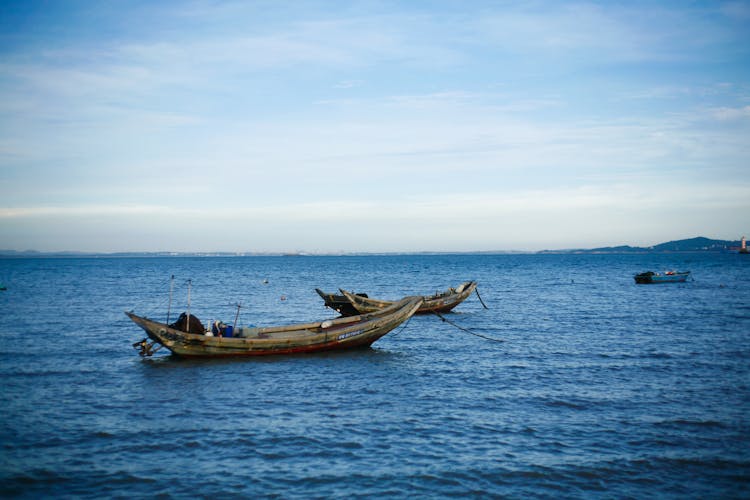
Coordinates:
x,y
601,388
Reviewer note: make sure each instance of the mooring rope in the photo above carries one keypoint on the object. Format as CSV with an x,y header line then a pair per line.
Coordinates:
x,y
466,329
476,290
403,327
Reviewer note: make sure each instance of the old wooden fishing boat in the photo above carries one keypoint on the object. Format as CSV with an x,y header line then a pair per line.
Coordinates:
x,y
650,277
339,303
440,302
340,333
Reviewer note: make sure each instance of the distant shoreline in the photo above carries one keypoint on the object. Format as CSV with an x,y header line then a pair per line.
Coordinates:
x,y
692,245
73,255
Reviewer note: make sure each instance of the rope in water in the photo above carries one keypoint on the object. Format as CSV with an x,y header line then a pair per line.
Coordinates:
x,y
466,329
476,290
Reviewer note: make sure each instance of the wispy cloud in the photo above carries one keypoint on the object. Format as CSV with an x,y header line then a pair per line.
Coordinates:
x,y
732,114
348,84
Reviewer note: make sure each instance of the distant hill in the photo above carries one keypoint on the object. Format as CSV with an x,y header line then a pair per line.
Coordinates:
x,y
699,244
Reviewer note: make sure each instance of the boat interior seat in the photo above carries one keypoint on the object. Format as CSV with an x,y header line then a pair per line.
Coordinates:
x,y
247,332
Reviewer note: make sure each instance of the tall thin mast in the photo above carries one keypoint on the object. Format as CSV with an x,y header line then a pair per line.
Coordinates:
x,y
171,289
234,327
190,282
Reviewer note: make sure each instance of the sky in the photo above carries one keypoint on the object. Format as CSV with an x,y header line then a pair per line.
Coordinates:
x,y
372,126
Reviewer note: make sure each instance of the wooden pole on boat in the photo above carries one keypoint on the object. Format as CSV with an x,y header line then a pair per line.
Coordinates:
x,y
236,317
190,282
171,289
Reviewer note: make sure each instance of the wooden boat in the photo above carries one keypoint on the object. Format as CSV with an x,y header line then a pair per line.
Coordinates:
x,y
340,333
339,303
650,277
440,302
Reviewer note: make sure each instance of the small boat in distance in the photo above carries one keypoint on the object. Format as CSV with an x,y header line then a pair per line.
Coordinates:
x,y
186,339
650,277
438,303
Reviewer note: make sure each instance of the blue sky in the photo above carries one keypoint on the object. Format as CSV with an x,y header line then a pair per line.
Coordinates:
x,y
372,126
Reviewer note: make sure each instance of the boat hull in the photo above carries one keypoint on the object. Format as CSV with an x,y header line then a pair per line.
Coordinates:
x,y
438,303
337,334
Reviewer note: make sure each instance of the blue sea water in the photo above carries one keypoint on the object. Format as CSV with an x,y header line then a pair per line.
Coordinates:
x,y
594,387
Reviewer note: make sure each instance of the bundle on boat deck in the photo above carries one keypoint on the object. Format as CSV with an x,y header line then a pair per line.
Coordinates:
x,y
182,324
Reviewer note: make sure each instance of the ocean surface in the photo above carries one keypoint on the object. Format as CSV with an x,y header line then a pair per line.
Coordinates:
x,y
581,385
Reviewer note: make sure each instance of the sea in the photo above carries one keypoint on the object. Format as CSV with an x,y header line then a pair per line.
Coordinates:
x,y
573,382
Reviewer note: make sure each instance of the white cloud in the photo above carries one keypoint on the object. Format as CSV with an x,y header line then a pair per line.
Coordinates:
x,y
731,114
348,84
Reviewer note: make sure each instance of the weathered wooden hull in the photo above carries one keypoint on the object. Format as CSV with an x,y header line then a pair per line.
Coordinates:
x,y
440,302
341,333
650,278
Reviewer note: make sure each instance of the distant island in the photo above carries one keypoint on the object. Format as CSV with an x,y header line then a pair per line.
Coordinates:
x,y
699,244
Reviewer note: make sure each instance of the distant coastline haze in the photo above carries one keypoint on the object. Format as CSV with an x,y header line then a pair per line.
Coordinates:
x,y
698,244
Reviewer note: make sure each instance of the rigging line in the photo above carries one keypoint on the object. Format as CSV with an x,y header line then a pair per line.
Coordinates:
x,y
466,329
476,290
152,310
